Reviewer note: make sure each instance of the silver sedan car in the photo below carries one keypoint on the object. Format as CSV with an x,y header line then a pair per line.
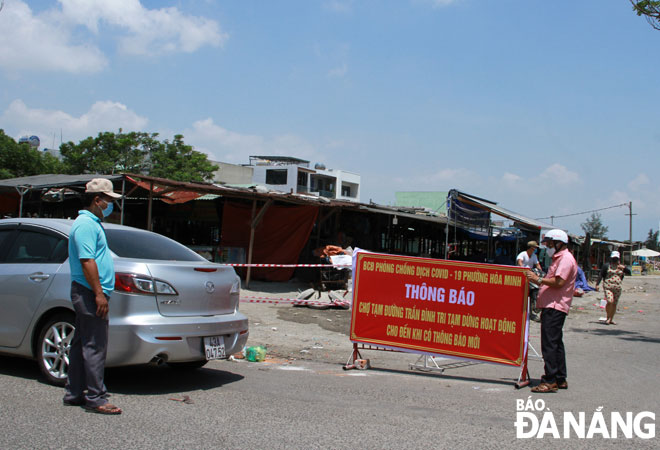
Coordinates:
x,y
170,305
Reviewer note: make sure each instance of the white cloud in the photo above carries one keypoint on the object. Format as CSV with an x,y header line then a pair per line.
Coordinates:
x,y
102,116
436,3
232,147
149,30
34,42
511,179
560,176
338,72
205,136
335,57
442,180
338,6
440,3
51,40
640,182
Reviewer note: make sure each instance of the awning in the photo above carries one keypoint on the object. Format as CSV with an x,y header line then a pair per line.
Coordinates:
x,y
23,185
52,180
393,212
167,193
496,209
646,252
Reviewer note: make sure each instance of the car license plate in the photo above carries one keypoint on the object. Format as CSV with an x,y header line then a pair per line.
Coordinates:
x,y
214,347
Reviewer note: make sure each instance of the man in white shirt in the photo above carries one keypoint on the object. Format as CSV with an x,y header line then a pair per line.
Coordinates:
x,y
529,259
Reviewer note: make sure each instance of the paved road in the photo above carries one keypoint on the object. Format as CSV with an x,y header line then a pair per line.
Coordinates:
x,y
315,404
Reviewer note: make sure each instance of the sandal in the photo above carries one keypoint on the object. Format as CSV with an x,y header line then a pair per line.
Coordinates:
x,y
544,388
104,409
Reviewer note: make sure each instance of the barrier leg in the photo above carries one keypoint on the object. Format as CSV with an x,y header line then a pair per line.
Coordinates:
x,y
355,355
523,379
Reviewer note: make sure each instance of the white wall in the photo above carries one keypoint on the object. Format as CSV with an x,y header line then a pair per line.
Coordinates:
x,y
341,177
259,177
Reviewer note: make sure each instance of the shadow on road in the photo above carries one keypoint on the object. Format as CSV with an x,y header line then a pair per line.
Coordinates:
x,y
135,380
612,330
149,380
19,367
444,376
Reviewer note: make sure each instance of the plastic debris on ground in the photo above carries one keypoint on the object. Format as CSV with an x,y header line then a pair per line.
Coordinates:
x,y
255,354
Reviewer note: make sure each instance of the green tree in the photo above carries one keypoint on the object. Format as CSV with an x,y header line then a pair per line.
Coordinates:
x,y
652,240
109,153
178,161
594,226
21,160
650,9
137,152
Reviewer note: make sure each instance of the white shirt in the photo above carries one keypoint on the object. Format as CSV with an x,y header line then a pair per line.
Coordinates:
x,y
528,261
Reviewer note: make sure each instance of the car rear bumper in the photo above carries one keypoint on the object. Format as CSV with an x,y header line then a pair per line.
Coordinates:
x,y
172,339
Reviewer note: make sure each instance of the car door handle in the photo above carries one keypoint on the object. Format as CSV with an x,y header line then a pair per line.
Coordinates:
x,y
38,276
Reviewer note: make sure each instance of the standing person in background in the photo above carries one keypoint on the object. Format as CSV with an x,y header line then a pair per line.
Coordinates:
x,y
555,297
92,282
612,275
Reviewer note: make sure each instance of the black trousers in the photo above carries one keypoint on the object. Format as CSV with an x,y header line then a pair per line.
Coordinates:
x,y
88,351
552,345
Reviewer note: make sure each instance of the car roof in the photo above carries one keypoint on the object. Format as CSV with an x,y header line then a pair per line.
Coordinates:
x,y
63,225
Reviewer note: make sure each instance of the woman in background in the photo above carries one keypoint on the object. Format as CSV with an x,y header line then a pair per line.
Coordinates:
x,y
612,275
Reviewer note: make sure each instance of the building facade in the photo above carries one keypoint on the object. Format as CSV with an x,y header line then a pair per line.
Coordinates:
x,y
293,175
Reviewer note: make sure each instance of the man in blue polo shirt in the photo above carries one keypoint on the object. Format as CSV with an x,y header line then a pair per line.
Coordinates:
x,y
92,282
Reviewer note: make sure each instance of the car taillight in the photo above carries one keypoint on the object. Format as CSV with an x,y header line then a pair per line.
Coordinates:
x,y
141,284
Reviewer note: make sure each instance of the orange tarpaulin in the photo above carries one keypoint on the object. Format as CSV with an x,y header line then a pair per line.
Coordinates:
x,y
278,239
167,194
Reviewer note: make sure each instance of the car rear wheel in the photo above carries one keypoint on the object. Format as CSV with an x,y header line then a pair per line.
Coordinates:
x,y
53,348
188,365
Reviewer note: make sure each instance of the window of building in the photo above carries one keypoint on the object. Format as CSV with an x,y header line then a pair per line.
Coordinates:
x,y
349,190
276,176
302,181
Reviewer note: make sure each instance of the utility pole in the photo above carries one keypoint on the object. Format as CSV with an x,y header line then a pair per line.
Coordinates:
x,y
630,214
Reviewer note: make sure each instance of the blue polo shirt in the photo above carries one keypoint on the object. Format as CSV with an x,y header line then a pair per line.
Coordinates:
x,y
87,241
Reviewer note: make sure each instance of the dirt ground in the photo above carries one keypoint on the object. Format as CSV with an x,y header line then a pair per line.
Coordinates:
x,y
301,333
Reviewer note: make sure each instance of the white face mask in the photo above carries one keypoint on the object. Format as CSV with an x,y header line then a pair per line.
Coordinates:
x,y
551,251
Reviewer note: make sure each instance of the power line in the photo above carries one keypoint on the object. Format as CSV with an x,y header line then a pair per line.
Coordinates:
x,y
585,212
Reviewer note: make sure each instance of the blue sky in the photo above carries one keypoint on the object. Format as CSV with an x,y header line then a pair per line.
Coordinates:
x,y
548,108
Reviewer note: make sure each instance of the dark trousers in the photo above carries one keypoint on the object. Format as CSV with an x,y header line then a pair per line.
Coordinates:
x,y
533,294
552,345
88,351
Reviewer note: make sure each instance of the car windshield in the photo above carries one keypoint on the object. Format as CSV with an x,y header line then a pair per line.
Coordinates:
x,y
144,245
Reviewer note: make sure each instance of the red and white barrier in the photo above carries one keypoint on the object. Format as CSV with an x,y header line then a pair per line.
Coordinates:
x,y
287,265
295,301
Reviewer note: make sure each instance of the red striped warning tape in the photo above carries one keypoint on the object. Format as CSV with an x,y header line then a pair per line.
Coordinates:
x,y
295,301
287,265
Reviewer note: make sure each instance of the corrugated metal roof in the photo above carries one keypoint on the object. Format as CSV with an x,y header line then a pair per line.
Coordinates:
x,y
164,187
402,213
52,180
500,211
